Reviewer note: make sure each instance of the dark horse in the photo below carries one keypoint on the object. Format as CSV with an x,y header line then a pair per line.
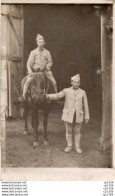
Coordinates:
x,y
35,98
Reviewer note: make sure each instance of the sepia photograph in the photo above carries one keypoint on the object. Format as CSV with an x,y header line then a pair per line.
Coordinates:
x,y
56,85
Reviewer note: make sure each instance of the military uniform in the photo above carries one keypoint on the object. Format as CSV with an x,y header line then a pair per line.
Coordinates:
x,y
39,60
74,113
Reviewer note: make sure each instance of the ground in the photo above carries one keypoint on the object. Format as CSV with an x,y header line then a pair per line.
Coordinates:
x,y
20,152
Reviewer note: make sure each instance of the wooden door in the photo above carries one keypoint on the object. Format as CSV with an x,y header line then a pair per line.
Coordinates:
x,y
106,54
12,54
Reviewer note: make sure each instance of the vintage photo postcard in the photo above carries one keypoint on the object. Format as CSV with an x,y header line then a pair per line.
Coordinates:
x,y
57,89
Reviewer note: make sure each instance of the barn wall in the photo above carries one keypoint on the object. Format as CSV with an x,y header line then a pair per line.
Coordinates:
x,y
11,67
73,36
12,54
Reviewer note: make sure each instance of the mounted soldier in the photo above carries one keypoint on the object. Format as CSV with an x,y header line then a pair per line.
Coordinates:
x,y
39,61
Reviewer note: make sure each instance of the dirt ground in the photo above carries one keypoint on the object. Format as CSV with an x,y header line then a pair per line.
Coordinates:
x,y
20,152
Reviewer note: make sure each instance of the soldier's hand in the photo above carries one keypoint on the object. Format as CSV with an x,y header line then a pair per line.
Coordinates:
x,y
30,71
47,96
86,121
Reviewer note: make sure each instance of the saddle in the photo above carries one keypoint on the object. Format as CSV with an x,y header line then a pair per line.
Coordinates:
x,y
38,70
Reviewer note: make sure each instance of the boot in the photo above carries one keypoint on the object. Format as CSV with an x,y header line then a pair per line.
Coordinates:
x,y
78,150
68,149
23,96
69,143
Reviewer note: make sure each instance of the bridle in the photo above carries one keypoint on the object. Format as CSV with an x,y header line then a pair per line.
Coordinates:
x,y
45,91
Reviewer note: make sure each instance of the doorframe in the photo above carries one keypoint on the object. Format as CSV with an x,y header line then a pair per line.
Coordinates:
x,y
113,89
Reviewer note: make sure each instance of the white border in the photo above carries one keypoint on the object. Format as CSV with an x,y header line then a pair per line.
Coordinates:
x,y
67,174
59,1
58,174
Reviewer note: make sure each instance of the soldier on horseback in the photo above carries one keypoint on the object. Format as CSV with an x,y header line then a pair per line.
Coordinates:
x,y
39,61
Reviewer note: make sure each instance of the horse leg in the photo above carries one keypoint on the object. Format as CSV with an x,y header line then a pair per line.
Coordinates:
x,y
46,112
26,119
35,143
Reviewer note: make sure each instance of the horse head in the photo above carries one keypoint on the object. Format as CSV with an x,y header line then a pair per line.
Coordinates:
x,y
39,86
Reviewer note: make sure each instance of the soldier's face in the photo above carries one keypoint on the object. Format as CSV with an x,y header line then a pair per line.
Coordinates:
x,y
40,43
75,84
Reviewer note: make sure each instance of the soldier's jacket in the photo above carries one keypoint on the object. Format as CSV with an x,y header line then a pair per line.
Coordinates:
x,y
75,101
39,59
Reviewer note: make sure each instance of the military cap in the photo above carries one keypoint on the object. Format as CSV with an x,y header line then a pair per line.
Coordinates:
x,y
76,78
39,37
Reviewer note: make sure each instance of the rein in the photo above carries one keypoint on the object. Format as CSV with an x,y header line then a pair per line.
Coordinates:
x,y
45,91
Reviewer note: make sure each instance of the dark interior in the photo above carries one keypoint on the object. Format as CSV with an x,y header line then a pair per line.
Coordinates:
x,y
73,36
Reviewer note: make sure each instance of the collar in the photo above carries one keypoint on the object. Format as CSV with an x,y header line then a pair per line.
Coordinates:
x,y
75,89
40,49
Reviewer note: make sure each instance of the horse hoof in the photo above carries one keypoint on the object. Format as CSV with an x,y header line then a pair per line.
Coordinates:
x,y
35,144
46,143
25,133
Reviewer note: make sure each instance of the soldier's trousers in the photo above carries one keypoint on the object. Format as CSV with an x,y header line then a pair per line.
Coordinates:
x,y
27,83
73,128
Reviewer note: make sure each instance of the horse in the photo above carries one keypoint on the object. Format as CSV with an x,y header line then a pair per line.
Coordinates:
x,y
36,99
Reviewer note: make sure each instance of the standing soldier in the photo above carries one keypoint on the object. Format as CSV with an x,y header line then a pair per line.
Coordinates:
x,y
74,113
39,60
